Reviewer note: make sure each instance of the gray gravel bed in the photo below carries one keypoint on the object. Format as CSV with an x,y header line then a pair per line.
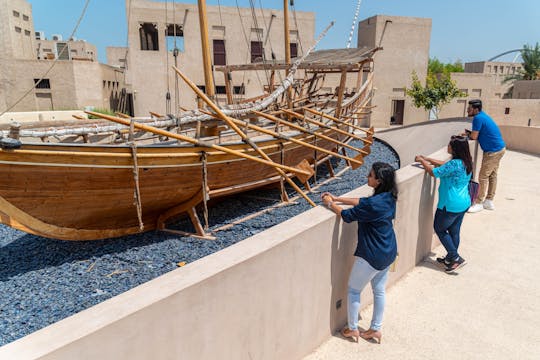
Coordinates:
x,y
43,281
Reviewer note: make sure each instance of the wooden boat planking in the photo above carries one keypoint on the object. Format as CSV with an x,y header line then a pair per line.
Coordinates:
x,y
59,178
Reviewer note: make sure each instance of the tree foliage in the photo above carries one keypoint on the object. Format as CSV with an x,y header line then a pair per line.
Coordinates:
x,y
437,67
439,90
531,64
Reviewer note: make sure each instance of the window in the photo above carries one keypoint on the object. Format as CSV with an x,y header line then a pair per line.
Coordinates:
x,y
220,89
477,93
256,51
239,90
16,13
220,56
18,29
62,49
175,37
506,111
465,91
25,17
43,84
148,35
27,32
294,49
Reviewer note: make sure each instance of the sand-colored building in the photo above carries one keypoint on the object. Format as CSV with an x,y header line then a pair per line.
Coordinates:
x,y
405,43
74,79
508,102
236,36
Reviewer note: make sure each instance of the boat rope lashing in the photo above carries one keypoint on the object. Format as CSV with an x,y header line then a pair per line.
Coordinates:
x,y
204,156
137,190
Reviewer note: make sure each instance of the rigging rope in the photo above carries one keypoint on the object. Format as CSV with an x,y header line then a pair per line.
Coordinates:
x,y
248,44
168,94
259,36
354,23
54,62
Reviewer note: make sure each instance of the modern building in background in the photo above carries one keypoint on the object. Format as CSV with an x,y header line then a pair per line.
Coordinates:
x,y
163,34
75,81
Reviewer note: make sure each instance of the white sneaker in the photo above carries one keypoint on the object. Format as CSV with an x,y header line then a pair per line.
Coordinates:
x,y
489,205
476,208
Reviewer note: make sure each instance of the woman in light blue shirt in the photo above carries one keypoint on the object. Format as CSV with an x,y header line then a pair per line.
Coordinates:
x,y
454,198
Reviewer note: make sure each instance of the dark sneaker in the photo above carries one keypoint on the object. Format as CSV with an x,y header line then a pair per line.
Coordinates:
x,y
455,264
442,260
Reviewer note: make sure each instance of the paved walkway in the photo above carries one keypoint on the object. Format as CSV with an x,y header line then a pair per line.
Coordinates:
x,y
491,308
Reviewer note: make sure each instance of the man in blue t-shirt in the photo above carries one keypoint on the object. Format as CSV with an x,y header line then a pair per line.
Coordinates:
x,y
486,131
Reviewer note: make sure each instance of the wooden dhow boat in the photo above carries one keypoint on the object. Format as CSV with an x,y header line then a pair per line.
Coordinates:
x,y
96,179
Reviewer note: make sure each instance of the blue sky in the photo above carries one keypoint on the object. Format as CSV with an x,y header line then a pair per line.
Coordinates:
x,y
469,30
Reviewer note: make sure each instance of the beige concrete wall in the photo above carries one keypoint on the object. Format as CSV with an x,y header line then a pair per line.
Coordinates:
x,y
150,74
258,299
521,138
272,296
422,138
116,56
493,67
396,62
77,50
526,89
16,32
74,84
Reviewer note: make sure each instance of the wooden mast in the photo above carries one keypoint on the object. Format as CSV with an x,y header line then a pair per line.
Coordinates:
x,y
205,44
287,47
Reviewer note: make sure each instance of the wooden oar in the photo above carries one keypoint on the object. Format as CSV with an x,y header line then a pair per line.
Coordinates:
x,y
358,160
326,126
364,150
319,113
190,140
244,137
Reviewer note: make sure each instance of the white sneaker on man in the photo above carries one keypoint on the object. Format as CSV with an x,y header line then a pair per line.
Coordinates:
x,y
476,208
489,205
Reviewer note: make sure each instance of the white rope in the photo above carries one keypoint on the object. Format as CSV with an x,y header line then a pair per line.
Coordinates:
x,y
354,23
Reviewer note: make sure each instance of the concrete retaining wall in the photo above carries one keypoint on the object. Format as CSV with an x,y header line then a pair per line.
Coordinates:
x,y
275,295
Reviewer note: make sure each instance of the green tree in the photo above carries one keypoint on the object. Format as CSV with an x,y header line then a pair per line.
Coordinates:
x,y
439,90
437,67
531,64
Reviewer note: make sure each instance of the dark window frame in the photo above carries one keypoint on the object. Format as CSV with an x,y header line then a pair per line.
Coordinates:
x,y
148,36
257,51
220,52
43,84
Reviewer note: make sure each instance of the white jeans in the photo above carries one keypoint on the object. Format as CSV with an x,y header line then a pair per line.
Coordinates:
x,y
361,274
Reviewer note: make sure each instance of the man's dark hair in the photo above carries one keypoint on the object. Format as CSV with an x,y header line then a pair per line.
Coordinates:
x,y
476,104
386,174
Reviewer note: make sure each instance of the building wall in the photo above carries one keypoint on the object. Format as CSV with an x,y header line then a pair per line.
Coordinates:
x,y
116,56
526,89
150,73
73,84
16,30
493,67
396,62
77,50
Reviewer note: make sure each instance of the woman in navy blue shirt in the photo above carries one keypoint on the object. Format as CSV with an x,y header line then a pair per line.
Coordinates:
x,y
376,249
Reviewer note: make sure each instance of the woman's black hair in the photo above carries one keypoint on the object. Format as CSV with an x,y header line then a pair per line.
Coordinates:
x,y
460,150
386,174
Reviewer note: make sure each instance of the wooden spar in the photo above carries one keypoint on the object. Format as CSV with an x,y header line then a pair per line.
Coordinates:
x,y
196,142
122,115
228,87
154,114
300,128
323,125
341,91
315,112
358,159
244,137
287,46
207,63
